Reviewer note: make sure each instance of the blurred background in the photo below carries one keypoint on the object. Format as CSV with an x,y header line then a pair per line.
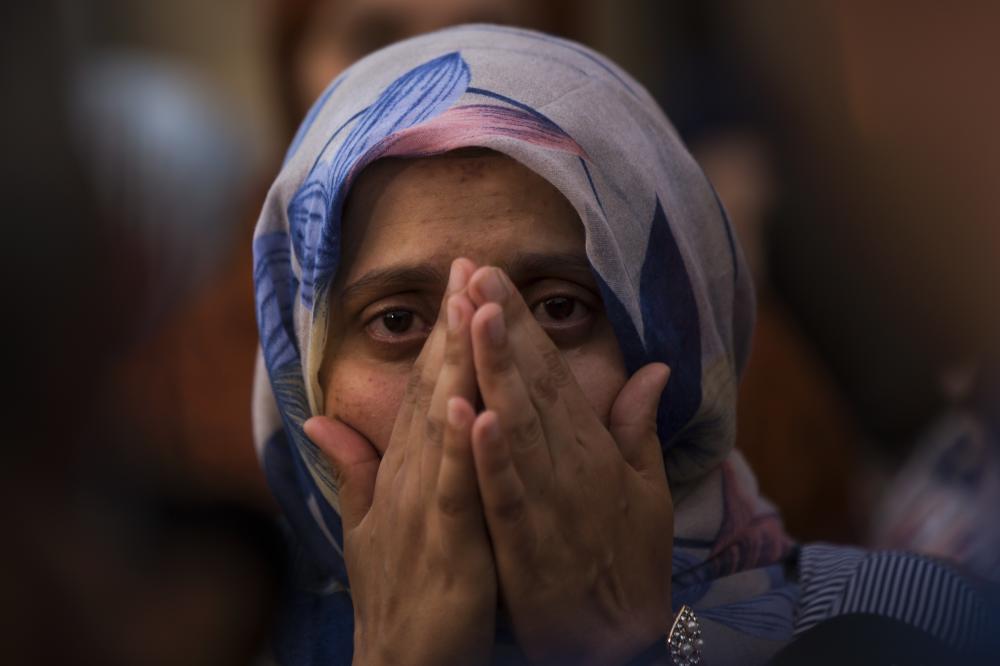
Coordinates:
x,y
853,143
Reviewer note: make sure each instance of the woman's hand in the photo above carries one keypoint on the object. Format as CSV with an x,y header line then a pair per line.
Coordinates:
x,y
581,518
418,557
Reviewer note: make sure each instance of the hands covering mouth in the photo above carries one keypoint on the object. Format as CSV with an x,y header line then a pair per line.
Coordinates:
x,y
534,498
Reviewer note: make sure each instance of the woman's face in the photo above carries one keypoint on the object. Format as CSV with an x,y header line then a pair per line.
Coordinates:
x,y
404,223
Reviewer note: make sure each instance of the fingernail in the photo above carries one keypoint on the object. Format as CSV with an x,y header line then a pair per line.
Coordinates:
x,y
314,430
493,288
456,278
496,329
307,427
454,315
455,412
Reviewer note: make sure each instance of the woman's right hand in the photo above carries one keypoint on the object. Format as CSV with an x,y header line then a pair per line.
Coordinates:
x,y
418,557
579,512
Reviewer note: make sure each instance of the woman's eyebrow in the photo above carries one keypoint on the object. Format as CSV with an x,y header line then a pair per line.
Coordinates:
x,y
528,265
412,277
393,279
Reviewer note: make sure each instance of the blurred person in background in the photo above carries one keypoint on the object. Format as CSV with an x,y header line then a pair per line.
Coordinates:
x,y
892,156
795,424
166,159
315,40
108,558
943,499
861,178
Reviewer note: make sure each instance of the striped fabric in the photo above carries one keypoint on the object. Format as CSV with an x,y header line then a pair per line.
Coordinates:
x,y
911,588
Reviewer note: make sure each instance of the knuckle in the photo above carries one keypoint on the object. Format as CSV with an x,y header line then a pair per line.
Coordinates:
x,y
336,476
526,433
509,509
425,392
454,354
558,372
455,449
496,465
575,468
544,391
451,505
500,363
413,382
434,430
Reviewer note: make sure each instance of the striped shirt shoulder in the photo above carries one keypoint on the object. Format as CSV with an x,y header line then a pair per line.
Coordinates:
x,y
918,590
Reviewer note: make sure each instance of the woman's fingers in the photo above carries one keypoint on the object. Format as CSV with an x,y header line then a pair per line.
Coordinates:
x,y
416,386
500,486
355,463
423,378
549,381
457,490
504,392
633,420
457,379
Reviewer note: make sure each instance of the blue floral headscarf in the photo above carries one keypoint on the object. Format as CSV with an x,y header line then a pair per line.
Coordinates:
x,y
671,275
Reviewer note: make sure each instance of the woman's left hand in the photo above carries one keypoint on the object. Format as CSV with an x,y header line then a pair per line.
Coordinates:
x,y
580,517
422,577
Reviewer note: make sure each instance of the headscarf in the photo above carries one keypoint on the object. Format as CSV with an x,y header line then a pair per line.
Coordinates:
x,y
671,275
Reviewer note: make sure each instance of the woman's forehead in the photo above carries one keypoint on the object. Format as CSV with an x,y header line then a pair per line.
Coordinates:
x,y
480,205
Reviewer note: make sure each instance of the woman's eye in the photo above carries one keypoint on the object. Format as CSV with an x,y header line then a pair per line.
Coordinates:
x,y
396,325
397,321
560,310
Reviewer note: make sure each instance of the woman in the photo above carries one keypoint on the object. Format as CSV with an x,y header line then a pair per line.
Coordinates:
x,y
490,215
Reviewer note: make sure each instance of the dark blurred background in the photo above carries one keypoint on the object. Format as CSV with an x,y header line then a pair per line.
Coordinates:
x,y
854,144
